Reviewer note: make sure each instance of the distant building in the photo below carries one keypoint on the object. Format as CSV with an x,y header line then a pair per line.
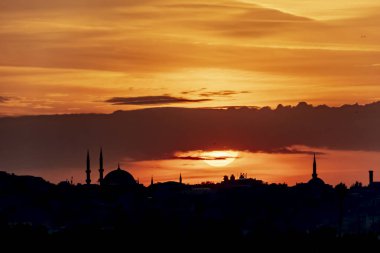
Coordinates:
x,y
372,184
101,170
117,177
88,170
315,180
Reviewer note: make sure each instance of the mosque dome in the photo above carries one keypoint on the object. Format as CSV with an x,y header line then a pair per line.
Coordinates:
x,y
119,177
316,181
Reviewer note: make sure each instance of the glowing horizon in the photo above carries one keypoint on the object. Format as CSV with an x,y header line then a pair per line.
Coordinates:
x,y
270,168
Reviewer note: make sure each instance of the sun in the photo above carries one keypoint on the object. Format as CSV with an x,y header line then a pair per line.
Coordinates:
x,y
219,158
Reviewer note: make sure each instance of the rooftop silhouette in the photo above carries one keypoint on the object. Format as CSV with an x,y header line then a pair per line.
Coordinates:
x,y
240,209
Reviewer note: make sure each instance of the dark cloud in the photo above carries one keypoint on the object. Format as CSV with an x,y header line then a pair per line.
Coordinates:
x,y
201,158
221,93
287,150
60,141
4,99
151,100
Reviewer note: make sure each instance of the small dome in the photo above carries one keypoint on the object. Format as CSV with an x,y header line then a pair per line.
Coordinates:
x,y
119,177
316,181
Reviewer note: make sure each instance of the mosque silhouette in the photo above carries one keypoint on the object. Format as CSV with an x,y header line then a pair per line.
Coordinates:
x,y
122,178
118,177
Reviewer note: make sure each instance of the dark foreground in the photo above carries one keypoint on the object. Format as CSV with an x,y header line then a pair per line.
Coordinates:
x,y
242,215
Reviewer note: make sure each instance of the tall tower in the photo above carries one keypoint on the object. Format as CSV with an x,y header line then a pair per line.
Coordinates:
x,y
88,170
370,177
101,170
314,175
180,178
151,181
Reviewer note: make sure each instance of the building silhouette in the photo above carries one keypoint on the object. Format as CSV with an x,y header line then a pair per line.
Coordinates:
x,y
372,183
120,178
315,180
241,210
101,170
88,169
117,177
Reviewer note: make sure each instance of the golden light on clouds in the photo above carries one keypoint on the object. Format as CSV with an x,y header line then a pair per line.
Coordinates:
x,y
214,158
71,56
276,168
220,158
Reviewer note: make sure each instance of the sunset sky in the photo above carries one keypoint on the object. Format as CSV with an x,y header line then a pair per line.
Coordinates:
x,y
100,56
69,56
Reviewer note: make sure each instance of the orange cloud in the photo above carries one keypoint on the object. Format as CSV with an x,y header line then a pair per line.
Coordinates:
x,y
92,50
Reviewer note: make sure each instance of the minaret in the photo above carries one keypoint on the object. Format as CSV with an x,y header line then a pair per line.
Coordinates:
x,y
88,171
180,178
314,175
101,170
151,181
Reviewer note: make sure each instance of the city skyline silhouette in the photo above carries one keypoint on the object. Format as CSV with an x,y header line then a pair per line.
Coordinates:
x,y
238,208
232,124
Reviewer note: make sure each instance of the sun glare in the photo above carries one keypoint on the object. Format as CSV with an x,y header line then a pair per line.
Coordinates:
x,y
219,158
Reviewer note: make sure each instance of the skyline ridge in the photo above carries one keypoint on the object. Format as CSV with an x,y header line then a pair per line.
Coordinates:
x,y
300,104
